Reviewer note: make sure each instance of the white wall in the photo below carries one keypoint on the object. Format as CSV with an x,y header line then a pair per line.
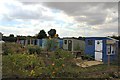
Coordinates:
x,y
78,43
75,43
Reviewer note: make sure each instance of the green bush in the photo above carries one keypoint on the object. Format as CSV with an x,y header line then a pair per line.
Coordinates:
x,y
64,54
34,49
12,48
22,65
60,59
52,44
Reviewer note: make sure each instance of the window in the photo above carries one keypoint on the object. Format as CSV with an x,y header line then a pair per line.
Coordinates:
x,y
98,42
108,49
111,49
65,41
90,42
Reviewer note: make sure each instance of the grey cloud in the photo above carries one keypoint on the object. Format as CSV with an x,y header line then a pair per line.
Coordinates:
x,y
111,27
24,14
19,11
92,19
95,12
115,19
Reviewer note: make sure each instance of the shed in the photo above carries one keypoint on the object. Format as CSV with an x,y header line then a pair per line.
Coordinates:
x,y
73,44
22,42
61,43
44,43
39,42
101,47
52,44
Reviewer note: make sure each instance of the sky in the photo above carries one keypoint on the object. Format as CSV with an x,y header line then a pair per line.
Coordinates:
x,y
70,19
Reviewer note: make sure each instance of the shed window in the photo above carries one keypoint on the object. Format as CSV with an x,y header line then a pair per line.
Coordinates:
x,y
111,49
90,42
65,41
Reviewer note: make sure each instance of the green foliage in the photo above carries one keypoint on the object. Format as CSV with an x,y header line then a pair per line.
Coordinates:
x,y
42,34
63,54
52,44
52,32
12,48
59,64
34,49
59,59
49,44
9,39
22,65
11,35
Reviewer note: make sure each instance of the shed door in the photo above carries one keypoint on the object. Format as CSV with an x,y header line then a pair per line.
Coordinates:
x,y
70,45
98,50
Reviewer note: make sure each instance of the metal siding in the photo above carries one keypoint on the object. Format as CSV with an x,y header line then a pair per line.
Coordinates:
x,y
78,43
65,46
90,49
60,44
73,44
40,42
33,42
26,42
105,56
104,51
44,43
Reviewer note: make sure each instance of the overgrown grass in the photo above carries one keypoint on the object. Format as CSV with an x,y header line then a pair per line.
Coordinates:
x,y
59,64
22,65
13,48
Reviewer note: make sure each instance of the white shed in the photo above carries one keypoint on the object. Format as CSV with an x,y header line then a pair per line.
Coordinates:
x,y
73,44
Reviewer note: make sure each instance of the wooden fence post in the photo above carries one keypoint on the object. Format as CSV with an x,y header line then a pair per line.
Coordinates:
x,y
108,60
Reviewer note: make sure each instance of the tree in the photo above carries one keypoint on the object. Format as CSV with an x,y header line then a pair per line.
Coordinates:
x,y
11,35
52,33
11,38
81,38
41,34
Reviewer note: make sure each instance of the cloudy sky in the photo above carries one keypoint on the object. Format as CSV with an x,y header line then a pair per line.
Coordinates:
x,y
70,19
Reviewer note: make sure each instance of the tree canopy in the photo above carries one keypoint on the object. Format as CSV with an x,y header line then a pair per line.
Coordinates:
x,y
11,35
41,34
52,32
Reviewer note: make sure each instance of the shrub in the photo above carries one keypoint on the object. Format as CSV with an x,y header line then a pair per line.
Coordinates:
x,y
12,48
34,49
22,65
52,44
64,54
59,59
